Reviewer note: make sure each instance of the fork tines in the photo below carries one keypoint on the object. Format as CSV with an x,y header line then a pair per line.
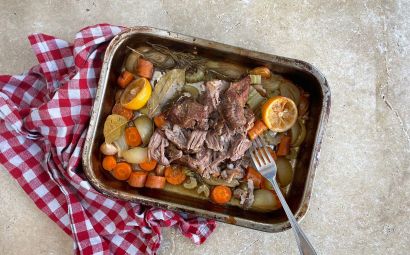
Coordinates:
x,y
260,153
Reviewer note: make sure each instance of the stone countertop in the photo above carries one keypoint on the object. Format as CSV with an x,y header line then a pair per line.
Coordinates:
x,y
361,196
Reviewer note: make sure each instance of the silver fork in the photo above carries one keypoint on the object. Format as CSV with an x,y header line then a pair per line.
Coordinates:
x,y
266,166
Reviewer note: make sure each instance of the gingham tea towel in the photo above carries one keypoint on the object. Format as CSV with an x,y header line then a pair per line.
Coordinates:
x,y
44,115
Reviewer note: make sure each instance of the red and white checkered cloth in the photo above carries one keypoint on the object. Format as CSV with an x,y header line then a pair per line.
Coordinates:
x,y
44,115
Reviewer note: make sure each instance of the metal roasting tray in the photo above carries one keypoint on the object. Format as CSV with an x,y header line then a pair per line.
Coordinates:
x,y
301,73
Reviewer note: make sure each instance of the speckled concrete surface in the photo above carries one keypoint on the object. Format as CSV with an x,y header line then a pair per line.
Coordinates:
x,y
361,198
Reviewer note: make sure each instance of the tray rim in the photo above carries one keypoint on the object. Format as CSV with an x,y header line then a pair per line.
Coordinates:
x,y
102,85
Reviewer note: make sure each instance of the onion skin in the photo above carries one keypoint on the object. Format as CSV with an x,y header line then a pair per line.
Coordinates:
x,y
121,144
136,155
145,128
131,62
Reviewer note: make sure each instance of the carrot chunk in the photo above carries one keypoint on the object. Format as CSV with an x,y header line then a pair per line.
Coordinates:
x,y
284,146
132,137
155,182
145,68
137,179
221,194
149,165
122,171
124,79
174,175
258,128
109,162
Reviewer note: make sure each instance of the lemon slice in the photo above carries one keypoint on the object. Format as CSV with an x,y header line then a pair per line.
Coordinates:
x,y
279,113
136,95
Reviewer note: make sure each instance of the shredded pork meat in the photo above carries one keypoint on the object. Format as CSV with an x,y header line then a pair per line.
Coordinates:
x,y
208,134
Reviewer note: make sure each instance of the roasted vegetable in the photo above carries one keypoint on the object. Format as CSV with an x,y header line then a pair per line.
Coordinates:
x,y
254,99
265,201
284,146
191,183
120,110
264,72
203,189
289,90
225,70
221,194
160,120
218,181
109,162
271,137
155,182
303,105
145,128
170,84
148,165
159,170
193,91
194,74
132,137
272,84
113,127
298,133
108,149
145,68
174,175
255,176
131,62
255,79
124,79
285,172
160,60
137,179
136,155
121,144
122,171
258,128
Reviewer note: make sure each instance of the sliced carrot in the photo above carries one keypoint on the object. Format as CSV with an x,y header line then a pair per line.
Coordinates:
x,y
160,120
132,137
272,153
266,184
258,128
149,165
137,179
122,171
284,146
155,182
255,176
120,110
221,194
174,175
124,79
109,162
145,68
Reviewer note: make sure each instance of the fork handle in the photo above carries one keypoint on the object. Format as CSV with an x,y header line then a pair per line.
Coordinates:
x,y
305,247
